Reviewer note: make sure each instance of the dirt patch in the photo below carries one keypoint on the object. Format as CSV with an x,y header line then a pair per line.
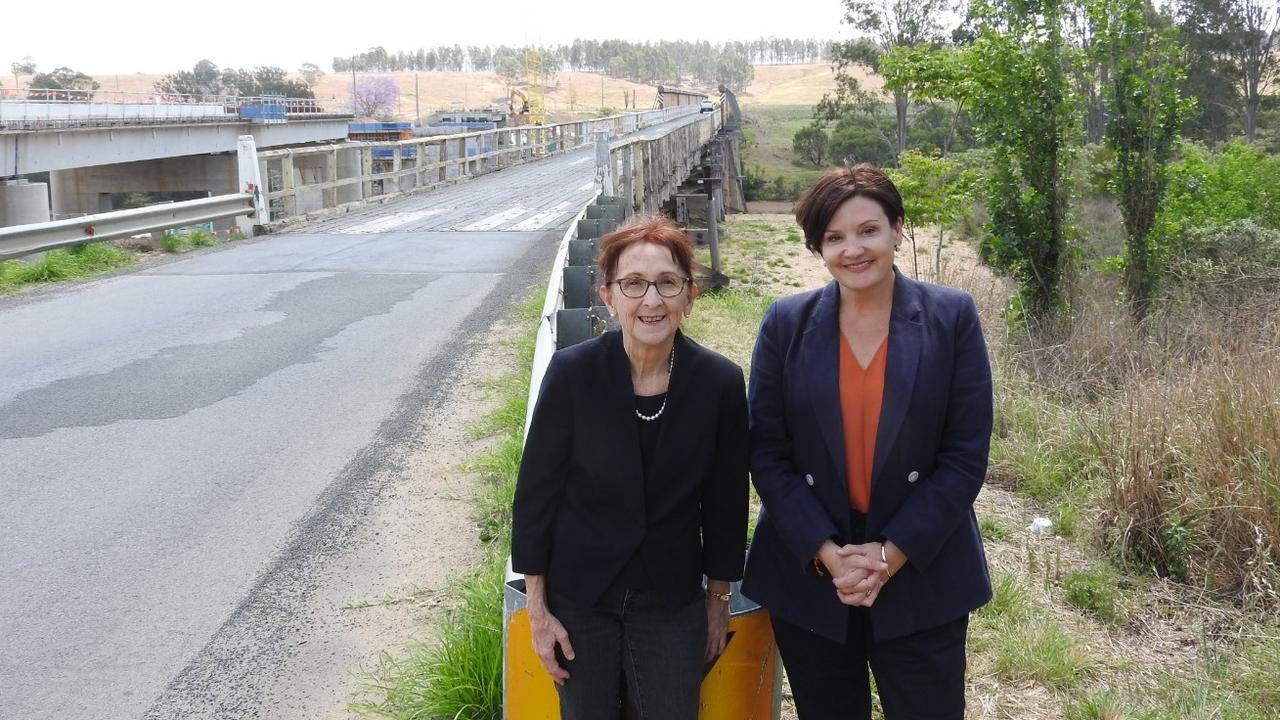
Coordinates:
x,y
773,207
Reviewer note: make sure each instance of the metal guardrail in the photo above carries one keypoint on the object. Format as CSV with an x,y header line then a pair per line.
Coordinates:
x,y
19,240
302,182
39,109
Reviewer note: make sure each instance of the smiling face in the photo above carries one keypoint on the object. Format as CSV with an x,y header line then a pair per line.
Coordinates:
x,y
858,245
650,320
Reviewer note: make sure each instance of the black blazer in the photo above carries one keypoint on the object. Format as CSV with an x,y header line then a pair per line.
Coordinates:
x,y
930,459
582,509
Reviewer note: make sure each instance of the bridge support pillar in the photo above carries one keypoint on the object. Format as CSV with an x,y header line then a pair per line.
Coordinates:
x,y
99,188
23,203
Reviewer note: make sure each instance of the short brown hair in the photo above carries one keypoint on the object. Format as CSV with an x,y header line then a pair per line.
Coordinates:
x,y
655,229
823,198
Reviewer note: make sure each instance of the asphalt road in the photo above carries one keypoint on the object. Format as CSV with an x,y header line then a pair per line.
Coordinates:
x,y
181,447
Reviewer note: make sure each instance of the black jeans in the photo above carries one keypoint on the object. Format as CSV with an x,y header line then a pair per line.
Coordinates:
x,y
631,637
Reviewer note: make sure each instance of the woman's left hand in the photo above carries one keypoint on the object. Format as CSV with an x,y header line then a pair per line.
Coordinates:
x,y
717,627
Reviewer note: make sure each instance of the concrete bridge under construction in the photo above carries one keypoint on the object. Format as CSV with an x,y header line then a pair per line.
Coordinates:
x,y
208,460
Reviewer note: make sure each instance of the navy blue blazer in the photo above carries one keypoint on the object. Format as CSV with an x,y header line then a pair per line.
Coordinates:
x,y
930,460
583,508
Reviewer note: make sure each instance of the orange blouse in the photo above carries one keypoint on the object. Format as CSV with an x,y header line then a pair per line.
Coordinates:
x,y
861,391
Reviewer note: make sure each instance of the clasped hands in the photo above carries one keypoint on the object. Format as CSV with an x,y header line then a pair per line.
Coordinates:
x,y
857,571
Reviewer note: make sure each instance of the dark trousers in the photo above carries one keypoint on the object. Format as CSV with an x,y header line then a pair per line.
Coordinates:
x,y
631,637
919,677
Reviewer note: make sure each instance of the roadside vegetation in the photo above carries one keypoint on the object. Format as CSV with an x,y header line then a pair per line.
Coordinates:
x,y
64,264
84,261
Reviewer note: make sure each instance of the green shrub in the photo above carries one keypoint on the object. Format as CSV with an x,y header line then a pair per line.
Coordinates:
x,y
1210,190
1224,264
203,238
991,529
1092,591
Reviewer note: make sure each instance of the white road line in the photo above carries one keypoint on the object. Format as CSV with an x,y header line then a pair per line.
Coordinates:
x,y
493,221
387,222
542,219
579,161
588,186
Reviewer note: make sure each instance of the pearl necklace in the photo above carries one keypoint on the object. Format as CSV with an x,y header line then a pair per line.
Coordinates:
x,y
671,364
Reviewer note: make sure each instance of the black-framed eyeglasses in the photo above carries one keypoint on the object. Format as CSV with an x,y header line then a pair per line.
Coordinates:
x,y
668,286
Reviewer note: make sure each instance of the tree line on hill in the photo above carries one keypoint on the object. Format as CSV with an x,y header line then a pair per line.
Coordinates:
x,y
656,62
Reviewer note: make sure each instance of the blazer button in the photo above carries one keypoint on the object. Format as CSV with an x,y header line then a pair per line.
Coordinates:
x,y
914,476
809,479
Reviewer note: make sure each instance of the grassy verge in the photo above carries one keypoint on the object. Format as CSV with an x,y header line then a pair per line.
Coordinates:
x,y
64,264
82,261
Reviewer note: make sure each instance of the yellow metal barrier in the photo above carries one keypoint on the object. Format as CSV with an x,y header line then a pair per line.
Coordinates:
x,y
744,683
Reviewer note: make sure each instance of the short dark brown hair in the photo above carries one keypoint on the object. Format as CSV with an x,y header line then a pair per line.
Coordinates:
x,y
655,229
823,198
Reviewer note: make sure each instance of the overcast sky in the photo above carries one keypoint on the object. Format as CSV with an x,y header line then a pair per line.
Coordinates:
x,y
124,36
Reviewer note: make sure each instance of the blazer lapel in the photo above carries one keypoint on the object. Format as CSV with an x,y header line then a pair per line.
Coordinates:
x,y
905,342
620,406
821,368
677,389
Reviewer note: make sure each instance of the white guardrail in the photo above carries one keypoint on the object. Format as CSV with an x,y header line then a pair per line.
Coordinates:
x,y
545,345
19,240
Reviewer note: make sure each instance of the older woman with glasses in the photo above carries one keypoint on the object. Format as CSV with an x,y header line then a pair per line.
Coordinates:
x,y
633,486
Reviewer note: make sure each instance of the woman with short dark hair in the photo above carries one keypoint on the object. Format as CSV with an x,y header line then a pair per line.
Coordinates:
x,y
871,407
632,487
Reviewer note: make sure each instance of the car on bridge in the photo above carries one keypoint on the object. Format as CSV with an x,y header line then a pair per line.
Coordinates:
x,y
706,106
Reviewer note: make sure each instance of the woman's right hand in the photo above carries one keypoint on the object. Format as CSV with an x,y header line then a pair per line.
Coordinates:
x,y
547,630
547,633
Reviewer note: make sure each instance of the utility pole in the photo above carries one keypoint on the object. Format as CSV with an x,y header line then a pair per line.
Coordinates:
x,y
417,99
353,84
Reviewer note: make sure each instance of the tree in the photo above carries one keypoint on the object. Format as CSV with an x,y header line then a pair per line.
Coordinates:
x,y
891,24
1255,55
264,81
1144,113
374,97
81,86
937,191
862,138
810,143
1024,110
311,73
204,80
25,66
1204,30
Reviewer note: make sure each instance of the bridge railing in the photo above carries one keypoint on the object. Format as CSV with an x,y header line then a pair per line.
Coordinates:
x,y
645,172
305,182
37,108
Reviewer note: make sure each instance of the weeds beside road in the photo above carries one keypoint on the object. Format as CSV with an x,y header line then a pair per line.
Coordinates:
x,y
83,261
